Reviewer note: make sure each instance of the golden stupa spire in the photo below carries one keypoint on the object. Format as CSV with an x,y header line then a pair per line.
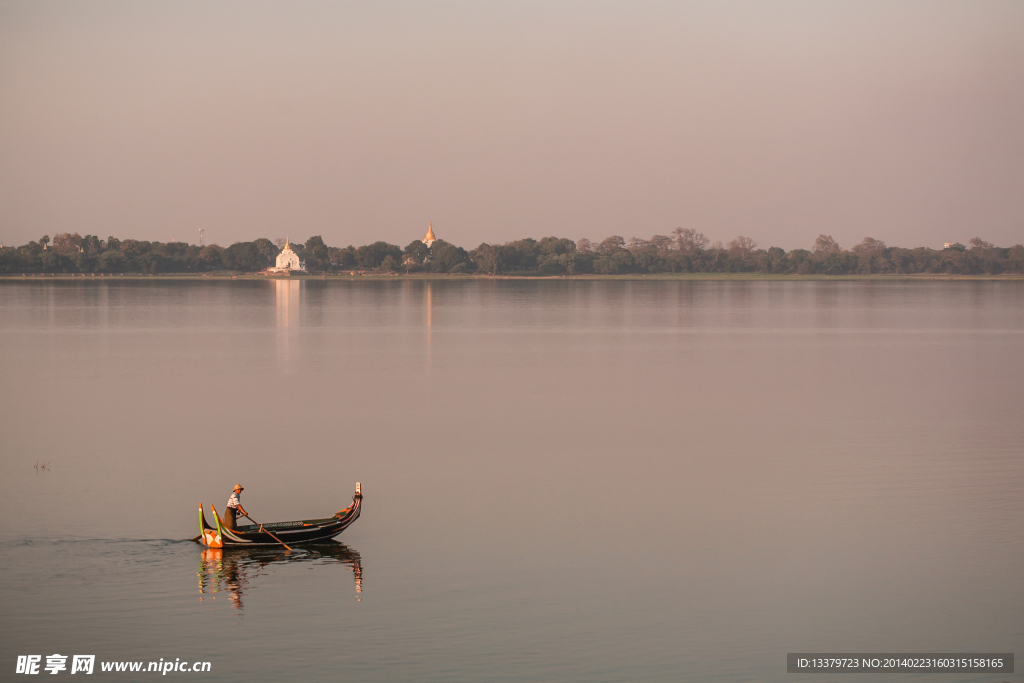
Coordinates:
x,y
430,233
287,244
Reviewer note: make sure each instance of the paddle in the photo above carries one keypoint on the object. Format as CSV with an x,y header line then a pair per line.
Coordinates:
x,y
262,529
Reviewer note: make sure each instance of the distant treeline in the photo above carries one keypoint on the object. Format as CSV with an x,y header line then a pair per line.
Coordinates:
x,y
684,251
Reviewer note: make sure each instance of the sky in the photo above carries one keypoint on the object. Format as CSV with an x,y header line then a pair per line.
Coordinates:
x,y
779,121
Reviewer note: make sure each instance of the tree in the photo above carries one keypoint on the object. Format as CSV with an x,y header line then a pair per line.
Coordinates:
x,y
91,245
112,261
52,261
625,261
661,242
66,243
688,240
578,263
826,245
550,265
267,251
410,265
550,255
445,256
603,265
637,244
372,255
869,245
152,262
314,253
131,248
716,251
210,256
342,258
488,259
1015,258
742,246
243,256
417,251
520,254
611,245
555,245
773,260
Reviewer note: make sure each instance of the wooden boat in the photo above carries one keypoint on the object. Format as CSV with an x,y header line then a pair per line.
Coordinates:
x,y
302,531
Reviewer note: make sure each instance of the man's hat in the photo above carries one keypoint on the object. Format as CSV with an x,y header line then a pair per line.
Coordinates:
x,y
239,487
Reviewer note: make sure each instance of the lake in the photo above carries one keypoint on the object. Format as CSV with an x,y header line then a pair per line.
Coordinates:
x,y
564,480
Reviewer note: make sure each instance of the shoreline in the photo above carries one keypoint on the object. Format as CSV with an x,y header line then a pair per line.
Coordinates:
x,y
223,276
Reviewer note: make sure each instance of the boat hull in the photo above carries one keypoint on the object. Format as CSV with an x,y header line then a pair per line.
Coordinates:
x,y
290,533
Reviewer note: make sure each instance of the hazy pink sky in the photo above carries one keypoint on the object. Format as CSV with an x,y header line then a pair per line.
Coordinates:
x,y
496,121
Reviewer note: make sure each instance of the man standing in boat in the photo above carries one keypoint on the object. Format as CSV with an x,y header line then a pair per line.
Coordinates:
x,y
234,507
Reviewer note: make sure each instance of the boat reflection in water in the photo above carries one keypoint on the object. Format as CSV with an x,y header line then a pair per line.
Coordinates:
x,y
234,570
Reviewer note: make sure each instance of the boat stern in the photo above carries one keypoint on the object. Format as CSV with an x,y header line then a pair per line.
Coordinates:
x,y
213,537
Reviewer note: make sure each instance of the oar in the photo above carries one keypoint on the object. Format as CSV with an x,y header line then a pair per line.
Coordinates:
x,y
262,529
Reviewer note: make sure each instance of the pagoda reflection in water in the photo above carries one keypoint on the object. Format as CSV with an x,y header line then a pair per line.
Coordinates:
x,y
234,570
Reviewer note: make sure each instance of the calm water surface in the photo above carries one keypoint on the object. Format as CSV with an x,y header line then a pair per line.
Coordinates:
x,y
564,480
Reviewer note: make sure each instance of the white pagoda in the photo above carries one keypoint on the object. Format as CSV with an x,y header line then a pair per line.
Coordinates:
x,y
288,261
